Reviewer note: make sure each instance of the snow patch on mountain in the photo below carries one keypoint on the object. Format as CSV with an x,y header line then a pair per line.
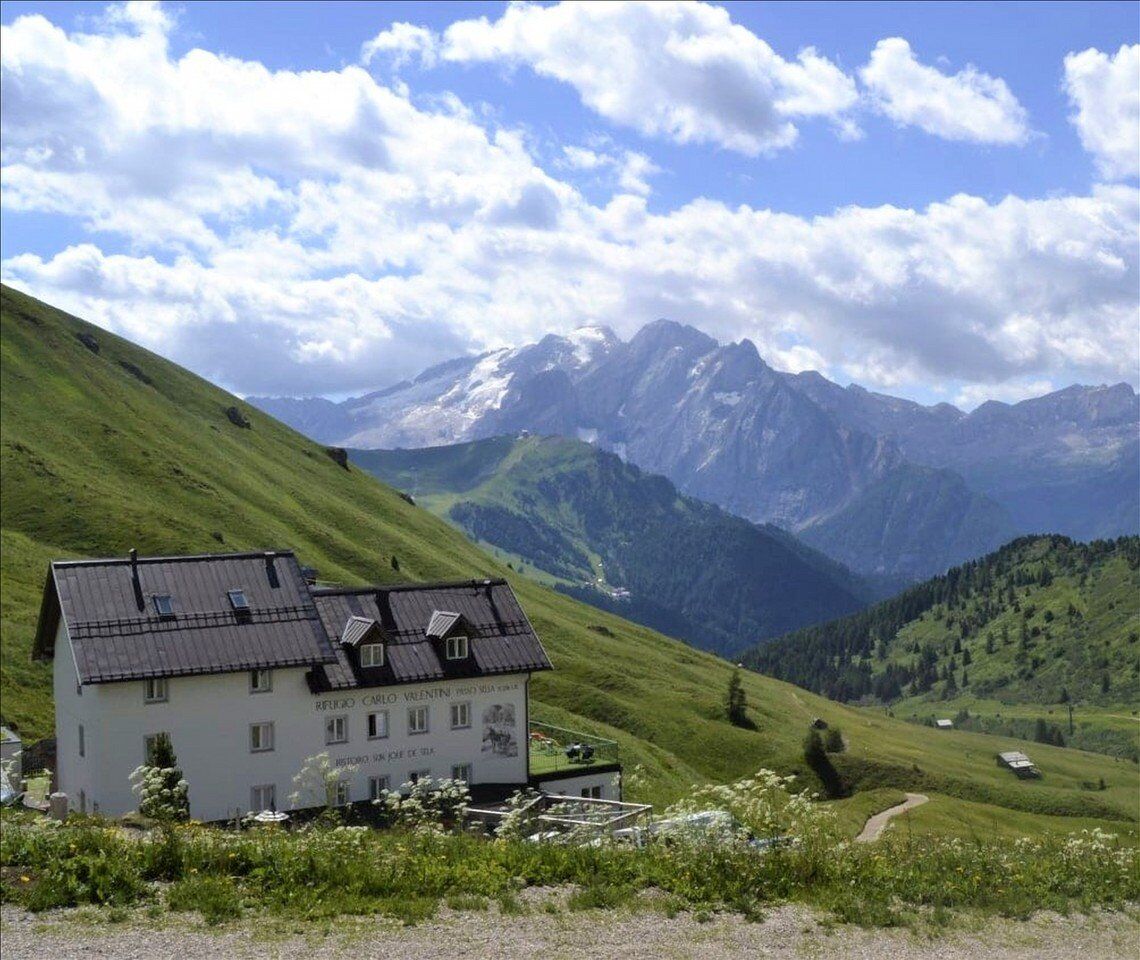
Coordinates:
x,y
590,343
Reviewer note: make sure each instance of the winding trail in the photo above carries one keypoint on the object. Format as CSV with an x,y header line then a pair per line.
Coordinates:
x,y
875,825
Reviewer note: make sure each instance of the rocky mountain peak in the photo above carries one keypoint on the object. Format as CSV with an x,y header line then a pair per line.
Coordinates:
x,y
662,335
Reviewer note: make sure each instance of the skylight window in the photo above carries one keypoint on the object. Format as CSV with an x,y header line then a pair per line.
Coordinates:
x,y
163,605
238,600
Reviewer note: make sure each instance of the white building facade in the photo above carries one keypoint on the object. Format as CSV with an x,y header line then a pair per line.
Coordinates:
x,y
393,684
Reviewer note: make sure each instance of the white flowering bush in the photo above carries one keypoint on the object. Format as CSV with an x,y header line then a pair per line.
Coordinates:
x,y
315,784
163,792
425,803
516,820
764,805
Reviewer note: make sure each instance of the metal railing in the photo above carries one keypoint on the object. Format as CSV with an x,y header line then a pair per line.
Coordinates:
x,y
557,748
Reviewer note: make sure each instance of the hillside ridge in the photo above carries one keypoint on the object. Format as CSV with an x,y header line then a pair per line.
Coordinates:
x,y
625,540
106,446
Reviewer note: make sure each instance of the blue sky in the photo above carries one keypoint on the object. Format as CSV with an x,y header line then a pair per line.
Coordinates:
x,y
934,202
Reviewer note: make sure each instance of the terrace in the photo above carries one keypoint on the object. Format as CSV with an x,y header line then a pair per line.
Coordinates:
x,y
554,749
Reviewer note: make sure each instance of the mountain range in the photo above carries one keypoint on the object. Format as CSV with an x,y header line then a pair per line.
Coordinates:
x,y
107,446
884,485
607,533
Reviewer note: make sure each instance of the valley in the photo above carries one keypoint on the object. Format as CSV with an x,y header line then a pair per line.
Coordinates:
x,y
107,446
606,533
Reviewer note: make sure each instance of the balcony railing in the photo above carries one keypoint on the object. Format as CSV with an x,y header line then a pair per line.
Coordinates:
x,y
556,748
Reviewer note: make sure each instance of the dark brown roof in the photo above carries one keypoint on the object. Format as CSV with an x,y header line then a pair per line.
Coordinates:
x,y
501,637
117,632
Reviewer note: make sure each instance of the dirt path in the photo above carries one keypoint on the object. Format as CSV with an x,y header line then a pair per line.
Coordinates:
x,y
875,825
788,932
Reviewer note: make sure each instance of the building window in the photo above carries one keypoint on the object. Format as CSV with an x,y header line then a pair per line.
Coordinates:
x,y
418,720
457,648
163,605
260,737
592,793
238,602
460,716
376,786
155,690
150,742
336,730
372,655
417,775
342,795
461,771
260,681
378,725
82,742
82,801
263,798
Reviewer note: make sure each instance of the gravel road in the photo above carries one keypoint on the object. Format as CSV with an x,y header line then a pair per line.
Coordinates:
x,y
786,932
875,825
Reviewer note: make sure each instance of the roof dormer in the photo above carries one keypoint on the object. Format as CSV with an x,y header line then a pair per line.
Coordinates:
x,y
451,632
366,637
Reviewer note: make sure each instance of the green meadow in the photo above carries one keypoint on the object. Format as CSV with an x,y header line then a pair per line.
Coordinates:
x,y
108,450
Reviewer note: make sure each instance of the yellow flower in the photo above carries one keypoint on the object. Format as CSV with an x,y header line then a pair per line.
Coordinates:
x,y
24,879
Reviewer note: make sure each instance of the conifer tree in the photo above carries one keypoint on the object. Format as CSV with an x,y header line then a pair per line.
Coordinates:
x,y
735,701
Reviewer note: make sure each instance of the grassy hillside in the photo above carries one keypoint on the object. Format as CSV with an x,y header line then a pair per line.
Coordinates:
x,y
1004,644
594,523
105,451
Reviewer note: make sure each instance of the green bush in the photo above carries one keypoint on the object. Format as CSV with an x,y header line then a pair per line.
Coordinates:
x,y
325,871
600,896
217,898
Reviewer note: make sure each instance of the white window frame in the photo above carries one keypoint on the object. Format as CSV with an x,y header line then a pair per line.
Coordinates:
x,y
464,722
257,743
331,724
376,786
159,605
261,680
342,792
242,607
415,776
592,793
379,720
414,728
256,805
372,655
461,771
82,742
156,690
457,647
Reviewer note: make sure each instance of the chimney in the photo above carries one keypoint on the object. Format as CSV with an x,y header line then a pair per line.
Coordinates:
x,y
271,570
139,602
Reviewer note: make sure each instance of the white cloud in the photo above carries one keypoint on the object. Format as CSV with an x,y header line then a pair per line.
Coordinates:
x,y
969,105
1105,93
402,43
630,170
1012,391
345,237
676,69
